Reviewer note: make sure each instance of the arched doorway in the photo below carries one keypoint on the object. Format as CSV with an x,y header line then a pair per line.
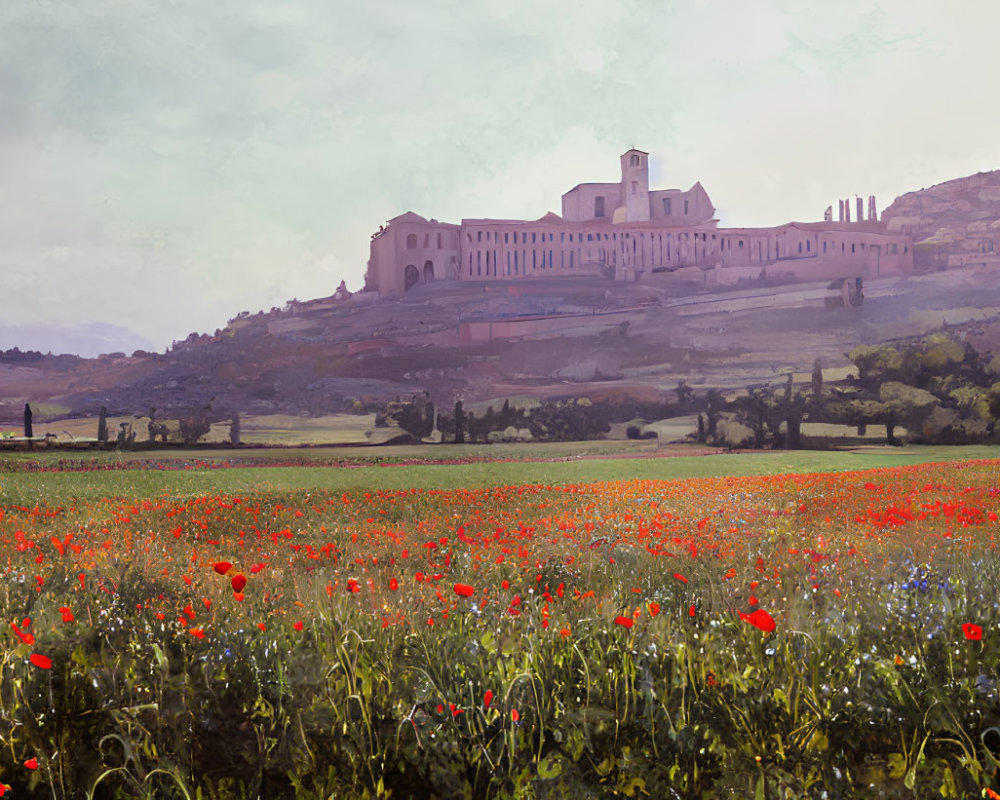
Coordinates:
x,y
411,277
428,271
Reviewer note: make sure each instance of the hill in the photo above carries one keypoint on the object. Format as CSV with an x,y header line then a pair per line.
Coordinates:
x,y
540,339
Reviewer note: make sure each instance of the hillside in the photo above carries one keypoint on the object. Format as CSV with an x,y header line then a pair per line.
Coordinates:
x,y
555,338
549,339
953,224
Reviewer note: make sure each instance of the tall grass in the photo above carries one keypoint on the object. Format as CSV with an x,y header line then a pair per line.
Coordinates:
x,y
532,640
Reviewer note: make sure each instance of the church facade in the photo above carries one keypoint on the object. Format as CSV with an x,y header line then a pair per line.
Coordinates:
x,y
627,232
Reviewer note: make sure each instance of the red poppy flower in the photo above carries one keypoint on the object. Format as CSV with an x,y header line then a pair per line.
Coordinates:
x,y
692,610
759,618
238,582
514,715
680,577
625,622
393,584
222,567
24,636
298,625
31,763
972,631
40,661
487,698
262,626
654,609
464,590
198,633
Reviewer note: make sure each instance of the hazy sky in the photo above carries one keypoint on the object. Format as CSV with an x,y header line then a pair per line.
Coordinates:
x,y
166,164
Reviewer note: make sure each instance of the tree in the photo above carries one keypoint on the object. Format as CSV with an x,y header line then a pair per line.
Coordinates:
x,y
196,423
685,396
715,404
816,400
906,405
102,425
759,411
877,364
459,423
154,428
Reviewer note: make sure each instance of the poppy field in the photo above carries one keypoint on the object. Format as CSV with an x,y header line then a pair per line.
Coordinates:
x,y
778,636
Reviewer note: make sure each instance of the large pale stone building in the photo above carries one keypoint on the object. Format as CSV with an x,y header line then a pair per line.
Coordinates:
x,y
627,232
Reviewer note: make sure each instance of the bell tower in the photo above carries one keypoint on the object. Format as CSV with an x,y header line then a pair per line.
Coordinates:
x,y
635,185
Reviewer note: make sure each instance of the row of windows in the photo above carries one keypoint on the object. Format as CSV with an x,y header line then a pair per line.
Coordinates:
x,y
668,206
412,239
508,238
489,263
724,243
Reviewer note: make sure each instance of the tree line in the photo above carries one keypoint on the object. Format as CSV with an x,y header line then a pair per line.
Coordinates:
x,y
938,387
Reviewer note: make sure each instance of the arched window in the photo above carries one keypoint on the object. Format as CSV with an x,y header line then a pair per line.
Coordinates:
x,y
411,277
411,241
428,271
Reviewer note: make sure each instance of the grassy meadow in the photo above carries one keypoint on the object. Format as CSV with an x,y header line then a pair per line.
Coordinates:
x,y
423,622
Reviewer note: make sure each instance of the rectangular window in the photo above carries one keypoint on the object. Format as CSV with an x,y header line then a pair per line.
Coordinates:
x,y
666,206
598,206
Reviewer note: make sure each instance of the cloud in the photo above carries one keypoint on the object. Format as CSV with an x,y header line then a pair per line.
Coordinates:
x,y
173,163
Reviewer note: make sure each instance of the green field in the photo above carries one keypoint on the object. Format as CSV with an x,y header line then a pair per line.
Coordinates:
x,y
403,467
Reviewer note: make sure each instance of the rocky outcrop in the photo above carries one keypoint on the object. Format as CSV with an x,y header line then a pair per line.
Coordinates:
x,y
955,223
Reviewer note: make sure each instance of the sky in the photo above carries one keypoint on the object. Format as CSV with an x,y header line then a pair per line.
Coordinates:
x,y
167,164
